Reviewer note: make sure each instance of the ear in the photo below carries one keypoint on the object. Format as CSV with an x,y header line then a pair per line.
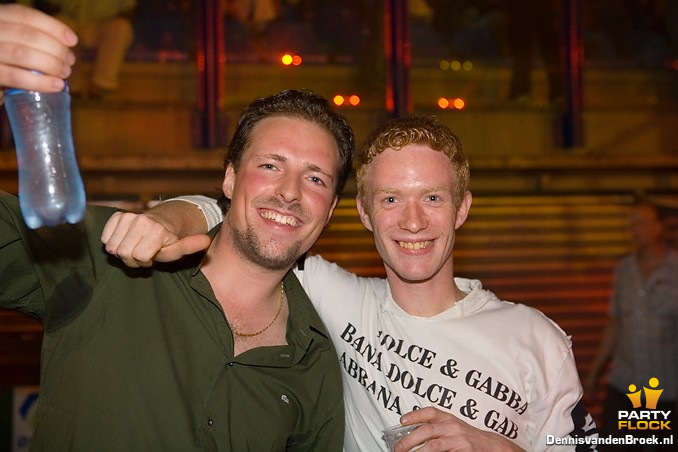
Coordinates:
x,y
334,206
462,211
364,217
229,181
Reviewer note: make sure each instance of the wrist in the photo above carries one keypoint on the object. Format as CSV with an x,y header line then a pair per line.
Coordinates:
x,y
170,226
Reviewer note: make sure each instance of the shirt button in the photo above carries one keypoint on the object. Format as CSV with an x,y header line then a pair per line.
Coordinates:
x,y
210,422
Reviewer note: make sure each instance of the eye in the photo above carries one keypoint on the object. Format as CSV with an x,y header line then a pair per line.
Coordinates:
x,y
268,166
390,200
317,180
433,198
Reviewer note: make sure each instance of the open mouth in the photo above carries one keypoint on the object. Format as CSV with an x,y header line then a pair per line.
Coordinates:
x,y
415,245
278,218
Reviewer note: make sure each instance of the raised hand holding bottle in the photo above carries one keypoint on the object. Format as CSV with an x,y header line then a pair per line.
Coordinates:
x,y
51,190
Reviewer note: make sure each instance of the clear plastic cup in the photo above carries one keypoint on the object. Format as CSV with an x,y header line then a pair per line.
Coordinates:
x,y
395,433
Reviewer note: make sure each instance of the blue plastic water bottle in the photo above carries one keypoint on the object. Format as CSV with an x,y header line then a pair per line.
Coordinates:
x,y
50,186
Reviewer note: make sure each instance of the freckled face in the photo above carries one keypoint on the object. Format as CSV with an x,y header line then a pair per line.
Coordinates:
x,y
411,211
283,194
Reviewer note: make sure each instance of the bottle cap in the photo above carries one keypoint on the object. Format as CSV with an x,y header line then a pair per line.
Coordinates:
x,y
13,91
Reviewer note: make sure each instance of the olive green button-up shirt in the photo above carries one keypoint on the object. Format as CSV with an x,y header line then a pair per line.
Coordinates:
x,y
142,359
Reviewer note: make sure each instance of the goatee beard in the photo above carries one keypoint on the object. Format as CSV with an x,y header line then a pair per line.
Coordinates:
x,y
250,247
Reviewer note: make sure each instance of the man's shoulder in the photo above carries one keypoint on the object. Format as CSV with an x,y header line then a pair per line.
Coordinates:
x,y
318,267
672,256
304,314
626,263
334,290
515,314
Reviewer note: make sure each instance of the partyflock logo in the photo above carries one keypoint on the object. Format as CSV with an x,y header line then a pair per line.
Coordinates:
x,y
649,418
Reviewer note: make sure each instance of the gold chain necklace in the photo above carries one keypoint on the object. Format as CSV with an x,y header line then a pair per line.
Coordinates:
x,y
282,294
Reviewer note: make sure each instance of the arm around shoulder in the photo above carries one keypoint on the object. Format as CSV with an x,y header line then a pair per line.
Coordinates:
x,y
164,233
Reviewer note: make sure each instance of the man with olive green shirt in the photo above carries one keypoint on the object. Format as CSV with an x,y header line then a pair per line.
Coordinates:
x,y
221,350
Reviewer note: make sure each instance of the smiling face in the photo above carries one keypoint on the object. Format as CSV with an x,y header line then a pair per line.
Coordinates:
x,y
409,205
283,194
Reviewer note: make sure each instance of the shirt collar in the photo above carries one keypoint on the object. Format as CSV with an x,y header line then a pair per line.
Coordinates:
x,y
476,297
304,327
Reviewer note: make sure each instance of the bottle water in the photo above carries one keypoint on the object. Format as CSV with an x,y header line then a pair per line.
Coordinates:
x,y
50,187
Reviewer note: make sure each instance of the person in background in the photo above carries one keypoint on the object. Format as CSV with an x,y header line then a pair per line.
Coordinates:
x,y
104,27
256,15
533,27
671,234
420,346
641,338
669,214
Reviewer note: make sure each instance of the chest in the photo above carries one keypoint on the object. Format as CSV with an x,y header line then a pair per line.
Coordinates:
x,y
391,368
160,359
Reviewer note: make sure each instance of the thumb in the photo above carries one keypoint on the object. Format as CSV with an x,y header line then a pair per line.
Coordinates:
x,y
183,247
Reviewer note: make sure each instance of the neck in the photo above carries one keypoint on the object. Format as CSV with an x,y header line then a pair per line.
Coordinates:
x,y
652,250
425,298
258,315
649,258
228,273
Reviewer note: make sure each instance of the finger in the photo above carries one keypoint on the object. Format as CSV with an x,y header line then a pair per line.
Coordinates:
x,y
436,437
415,439
25,47
147,252
38,20
121,241
109,228
145,243
143,239
23,79
427,414
115,230
121,238
188,245
435,442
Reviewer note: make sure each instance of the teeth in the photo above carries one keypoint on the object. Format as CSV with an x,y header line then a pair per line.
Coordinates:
x,y
414,245
281,219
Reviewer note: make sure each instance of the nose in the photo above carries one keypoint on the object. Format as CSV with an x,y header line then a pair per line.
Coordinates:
x,y
289,189
413,218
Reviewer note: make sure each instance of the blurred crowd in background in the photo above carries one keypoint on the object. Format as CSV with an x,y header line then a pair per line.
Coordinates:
x,y
630,32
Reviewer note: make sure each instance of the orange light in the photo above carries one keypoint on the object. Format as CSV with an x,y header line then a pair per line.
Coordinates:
x,y
458,103
443,103
287,59
296,60
347,100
